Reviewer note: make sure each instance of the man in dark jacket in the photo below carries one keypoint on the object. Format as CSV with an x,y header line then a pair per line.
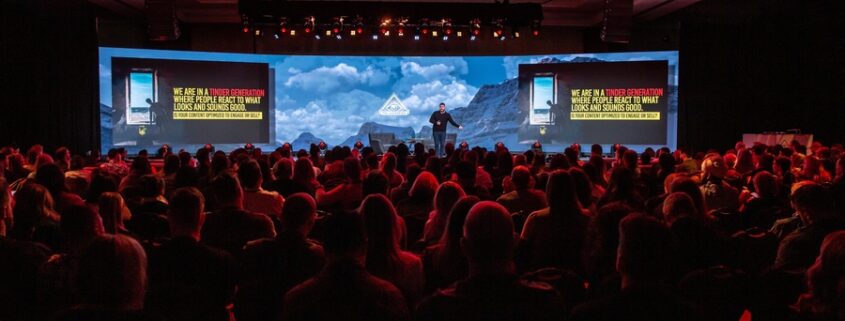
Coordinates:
x,y
439,119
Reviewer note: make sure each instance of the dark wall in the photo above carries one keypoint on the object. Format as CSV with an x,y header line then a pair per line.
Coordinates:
x,y
48,74
762,65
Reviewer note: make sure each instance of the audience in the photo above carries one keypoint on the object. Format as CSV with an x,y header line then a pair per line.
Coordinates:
x,y
356,235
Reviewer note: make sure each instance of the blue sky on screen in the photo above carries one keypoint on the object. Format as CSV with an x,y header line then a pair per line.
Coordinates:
x,y
330,96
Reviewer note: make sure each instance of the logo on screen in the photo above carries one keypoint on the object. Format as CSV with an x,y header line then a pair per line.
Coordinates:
x,y
393,107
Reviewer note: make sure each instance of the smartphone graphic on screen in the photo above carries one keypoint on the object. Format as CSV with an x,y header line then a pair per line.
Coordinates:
x,y
543,96
141,87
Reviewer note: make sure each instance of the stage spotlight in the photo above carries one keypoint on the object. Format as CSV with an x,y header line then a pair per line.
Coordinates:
x,y
447,27
384,27
498,28
475,27
375,37
424,27
400,26
276,35
283,26
445,38
245,23
459,33
416,37
515,34
339,36
293,32
434,33
535,28
472,38
359,26
502,37
337,25
308,27
258,32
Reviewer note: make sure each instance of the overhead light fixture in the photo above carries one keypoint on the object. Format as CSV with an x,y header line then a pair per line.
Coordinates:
x,y
535,28
245,23
424,27
498,28
337,25
384,27
283,26
447,27
308,26
359,26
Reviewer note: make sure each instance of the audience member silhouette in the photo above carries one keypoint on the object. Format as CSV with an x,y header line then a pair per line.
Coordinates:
x,y
344,289
189,280
492,290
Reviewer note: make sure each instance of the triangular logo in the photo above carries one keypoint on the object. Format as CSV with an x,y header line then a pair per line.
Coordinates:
x,y
393,107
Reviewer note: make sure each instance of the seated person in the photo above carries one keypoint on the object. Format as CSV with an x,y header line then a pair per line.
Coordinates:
x,y
492,291
344,290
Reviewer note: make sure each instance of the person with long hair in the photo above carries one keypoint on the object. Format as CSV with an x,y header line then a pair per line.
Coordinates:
x,y
140,167
389,167
554,236
304,178
418,205
744,162
385,259
35,218
114,212
822,300
599,173
444,262
52,178
622,188
814,171
447,194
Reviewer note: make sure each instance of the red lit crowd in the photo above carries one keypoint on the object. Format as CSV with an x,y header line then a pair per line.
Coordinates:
x,y
345,234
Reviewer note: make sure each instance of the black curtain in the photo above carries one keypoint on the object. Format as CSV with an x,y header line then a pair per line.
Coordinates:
x,y
749,66
48,80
